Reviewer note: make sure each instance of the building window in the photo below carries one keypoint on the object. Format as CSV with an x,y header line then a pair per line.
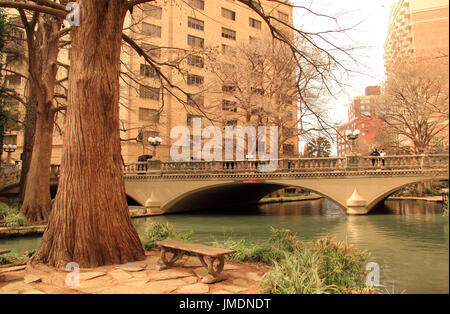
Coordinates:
x,y
258,91
228,33
197,24
151,115
288,149
232,123
198,100
363,125
10,140
152,11
366,113
197,4
228,88
193,79
255,23
152,50
149,92
195,61
283,17
228,50
148,71
13,79
196,41
151,30
190,118
228,14
228,105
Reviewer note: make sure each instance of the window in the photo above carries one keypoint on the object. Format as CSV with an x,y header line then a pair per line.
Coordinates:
x,y
196,41
195,61
13,79
228,105
228,88
227,49
288,149
190,118
149,92
148,71
228,14
198,100
193,79
152,11
151,115
258,91
152,50
231,123
228,33
255,23
363,125
365,101
197,24
283,17
197,4
10,139
366,113
151,30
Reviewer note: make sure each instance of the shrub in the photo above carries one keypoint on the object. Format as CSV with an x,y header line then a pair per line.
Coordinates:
x,y
445,209
294,274
162,231
14,220
8,258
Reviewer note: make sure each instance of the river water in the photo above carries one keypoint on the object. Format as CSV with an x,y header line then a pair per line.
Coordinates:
x,y
409,240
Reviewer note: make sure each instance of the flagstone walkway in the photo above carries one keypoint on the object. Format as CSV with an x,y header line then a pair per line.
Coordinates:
x,y
136,278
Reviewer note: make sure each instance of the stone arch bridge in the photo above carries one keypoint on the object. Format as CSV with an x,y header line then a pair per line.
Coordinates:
x,y
357,184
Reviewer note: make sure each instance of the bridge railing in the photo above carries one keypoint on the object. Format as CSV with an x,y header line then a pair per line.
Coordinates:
x,y
9,175
412,162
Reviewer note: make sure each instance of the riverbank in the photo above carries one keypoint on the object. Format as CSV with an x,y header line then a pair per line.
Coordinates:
x,y
284,199
418,198
135,278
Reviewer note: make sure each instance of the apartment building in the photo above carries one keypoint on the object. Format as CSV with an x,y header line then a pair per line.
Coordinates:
x,y
418,30
180,34
362,115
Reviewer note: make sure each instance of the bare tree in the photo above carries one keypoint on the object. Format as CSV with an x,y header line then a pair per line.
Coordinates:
x,y
415,106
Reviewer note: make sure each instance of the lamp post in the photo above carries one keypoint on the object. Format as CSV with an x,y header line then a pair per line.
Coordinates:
x,y
9,149
353,159
352,136
154,141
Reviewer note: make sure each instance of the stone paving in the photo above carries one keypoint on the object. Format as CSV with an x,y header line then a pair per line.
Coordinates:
x,y
136,278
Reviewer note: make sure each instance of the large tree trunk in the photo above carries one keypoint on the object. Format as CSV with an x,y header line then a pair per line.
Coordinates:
x,y
28,138
90,222
37,204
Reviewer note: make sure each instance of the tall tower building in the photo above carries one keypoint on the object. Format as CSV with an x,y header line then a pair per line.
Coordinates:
x,y
418,30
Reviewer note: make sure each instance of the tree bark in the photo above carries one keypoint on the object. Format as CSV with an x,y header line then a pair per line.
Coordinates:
x,y
37,204
28,139
90,222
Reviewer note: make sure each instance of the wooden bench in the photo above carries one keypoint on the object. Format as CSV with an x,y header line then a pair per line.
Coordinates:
x,y
212,258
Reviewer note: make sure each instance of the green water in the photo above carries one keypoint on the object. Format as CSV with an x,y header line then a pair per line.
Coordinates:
x,y
408,239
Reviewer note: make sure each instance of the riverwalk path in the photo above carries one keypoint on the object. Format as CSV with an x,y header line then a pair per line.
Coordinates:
x,y
135,278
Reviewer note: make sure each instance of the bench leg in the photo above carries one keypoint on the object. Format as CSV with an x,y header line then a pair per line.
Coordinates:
x,y
214,271
163,263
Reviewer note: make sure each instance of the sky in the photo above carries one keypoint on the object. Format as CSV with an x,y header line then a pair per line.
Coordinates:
x,y
368,20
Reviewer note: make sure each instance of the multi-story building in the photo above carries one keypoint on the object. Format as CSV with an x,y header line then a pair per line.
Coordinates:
x,y
362,115
418,30
179,37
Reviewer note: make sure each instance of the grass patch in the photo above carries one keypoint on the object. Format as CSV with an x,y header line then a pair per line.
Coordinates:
x,y
322,266
162,231
10,216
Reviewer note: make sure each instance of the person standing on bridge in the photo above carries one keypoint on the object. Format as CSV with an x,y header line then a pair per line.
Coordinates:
x,y
382,154
374,154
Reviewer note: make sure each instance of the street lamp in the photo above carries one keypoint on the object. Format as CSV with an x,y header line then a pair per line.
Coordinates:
x,y
154,141
9,149
352,136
